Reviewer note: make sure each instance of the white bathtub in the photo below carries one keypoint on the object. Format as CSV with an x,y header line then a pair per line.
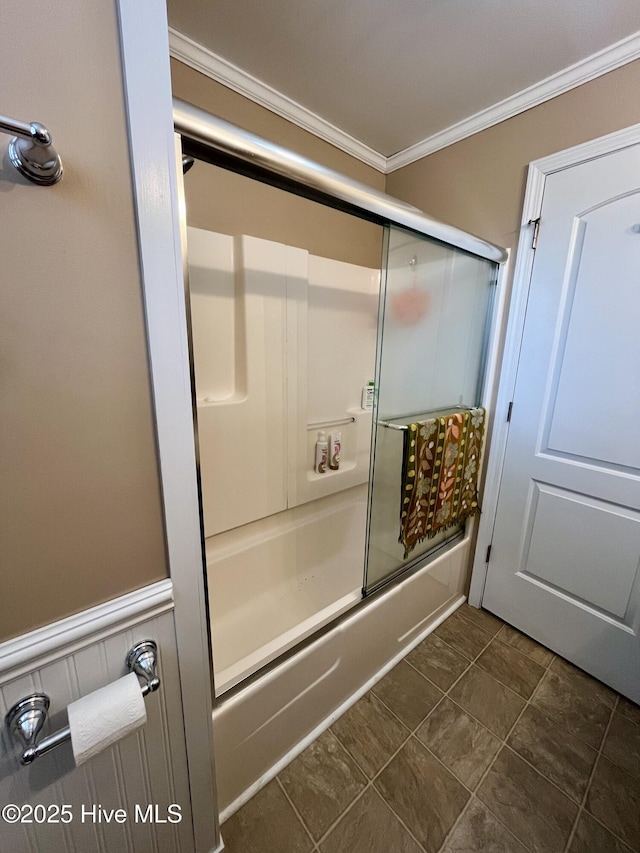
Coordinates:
x,y
264,726
276,581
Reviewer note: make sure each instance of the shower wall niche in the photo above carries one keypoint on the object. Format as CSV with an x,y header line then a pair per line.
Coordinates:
x,y
284,342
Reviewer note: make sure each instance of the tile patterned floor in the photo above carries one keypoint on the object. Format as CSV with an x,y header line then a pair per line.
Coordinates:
x,y
479,740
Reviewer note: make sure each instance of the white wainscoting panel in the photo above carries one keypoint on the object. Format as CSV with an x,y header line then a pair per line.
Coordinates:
x,y
148,767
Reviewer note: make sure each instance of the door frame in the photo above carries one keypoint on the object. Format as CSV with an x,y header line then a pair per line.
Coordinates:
x,y
147,90
507,375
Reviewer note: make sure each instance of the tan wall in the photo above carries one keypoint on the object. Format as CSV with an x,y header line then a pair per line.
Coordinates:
x,y
221,201
80,512
478,183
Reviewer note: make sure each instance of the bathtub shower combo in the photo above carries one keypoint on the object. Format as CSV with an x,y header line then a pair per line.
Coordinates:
x,y
311,594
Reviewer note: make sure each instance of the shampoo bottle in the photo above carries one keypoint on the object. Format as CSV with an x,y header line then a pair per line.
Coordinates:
x,y
322,453
335,445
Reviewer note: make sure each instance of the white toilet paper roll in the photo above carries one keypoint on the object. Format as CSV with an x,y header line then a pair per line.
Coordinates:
x,y
104,717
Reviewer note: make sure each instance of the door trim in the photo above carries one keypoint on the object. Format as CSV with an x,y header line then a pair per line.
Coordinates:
x,y
505,379
147,89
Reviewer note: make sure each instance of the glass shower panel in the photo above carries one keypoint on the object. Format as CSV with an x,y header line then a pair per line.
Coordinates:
x,y
432,336
284,296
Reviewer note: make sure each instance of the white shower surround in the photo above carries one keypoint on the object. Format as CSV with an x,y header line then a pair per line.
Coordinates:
x,y
277,581
283,343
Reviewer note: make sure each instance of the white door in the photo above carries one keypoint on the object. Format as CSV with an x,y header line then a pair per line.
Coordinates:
x,y
566,544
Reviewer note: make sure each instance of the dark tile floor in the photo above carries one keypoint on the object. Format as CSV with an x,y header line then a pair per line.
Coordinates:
x,y
479,740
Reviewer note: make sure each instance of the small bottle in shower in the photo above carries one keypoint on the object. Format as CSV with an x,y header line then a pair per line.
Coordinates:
x,y
368,395
322,453
335,446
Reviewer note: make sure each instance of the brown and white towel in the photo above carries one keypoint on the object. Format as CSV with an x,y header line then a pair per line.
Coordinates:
x,y
441,459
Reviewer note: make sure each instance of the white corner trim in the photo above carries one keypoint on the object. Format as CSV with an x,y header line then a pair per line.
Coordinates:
x,y
59,639
156,176
593,66
217,68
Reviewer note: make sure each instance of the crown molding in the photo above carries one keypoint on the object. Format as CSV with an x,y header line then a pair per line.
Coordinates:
x,y
210,64
201,59
593,66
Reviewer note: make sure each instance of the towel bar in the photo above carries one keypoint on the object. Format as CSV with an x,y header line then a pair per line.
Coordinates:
x,y
27,717
337,422
31,151
420,416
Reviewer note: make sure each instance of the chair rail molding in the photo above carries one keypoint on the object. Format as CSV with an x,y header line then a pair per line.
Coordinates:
x,y
67,636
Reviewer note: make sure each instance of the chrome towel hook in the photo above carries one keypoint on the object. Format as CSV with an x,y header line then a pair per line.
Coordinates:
x,y
31,151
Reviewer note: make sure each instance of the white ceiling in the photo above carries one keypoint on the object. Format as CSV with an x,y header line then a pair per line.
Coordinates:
x,y
391,74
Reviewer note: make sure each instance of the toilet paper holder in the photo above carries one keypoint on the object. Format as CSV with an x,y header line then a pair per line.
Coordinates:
x,y
27,717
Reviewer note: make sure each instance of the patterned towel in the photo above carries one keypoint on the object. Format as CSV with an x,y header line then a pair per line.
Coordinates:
x,y
441,458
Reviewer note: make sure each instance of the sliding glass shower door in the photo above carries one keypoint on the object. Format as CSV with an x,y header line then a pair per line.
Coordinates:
x,y
435,308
